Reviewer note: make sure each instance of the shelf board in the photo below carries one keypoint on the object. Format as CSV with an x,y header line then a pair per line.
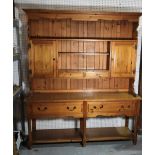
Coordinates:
x,y
85,53
80,71
81,96
56,135
38,39
108,133
74,135
83,70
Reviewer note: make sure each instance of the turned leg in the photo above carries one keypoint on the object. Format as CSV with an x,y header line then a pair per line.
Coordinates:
x,y
83,130
135,130
29,134
33,124
84,122
81,127
126,121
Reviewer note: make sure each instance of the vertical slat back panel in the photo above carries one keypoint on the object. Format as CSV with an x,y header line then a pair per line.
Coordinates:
x,y
49,84
88,29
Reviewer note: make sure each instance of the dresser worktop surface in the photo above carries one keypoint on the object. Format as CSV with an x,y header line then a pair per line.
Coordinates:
x,y
88,96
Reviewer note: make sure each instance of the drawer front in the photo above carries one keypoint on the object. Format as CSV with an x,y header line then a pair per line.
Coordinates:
x,y
57,109
111,108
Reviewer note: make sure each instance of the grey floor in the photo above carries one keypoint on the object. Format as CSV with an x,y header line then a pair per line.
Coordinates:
x,y
92,148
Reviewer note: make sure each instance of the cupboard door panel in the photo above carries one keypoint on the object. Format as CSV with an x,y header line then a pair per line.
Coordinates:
x,y
43,59
123,59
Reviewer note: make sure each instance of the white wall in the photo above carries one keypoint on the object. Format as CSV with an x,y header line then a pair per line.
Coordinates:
x,y
114,5
118,3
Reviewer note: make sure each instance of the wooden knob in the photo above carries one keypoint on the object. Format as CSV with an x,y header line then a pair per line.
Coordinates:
x,y
101,106
71,108
94,107
122,106
42,109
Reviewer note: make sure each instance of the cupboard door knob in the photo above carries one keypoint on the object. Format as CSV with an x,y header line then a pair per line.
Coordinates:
x,y
42,109
71,109
53,59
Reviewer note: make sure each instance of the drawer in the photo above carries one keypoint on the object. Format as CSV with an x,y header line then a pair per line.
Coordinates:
x,y
57,109
111,108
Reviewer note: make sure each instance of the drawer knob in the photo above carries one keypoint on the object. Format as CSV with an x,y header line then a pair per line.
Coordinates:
x,y
42,109
94,107
122,106
128,106
71,108
101,106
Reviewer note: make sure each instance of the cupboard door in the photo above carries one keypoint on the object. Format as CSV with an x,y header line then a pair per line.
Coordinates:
x,y
123,58
42,59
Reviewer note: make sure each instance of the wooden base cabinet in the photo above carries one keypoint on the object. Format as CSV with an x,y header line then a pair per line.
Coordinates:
x,y
123,104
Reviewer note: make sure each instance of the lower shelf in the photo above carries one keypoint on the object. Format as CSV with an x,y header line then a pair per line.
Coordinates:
x,y
57,136
108,133
74,135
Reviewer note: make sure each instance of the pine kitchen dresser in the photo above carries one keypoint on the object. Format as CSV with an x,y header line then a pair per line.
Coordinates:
x,y
81,65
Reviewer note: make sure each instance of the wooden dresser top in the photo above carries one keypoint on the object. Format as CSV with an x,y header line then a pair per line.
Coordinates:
x,y
88,96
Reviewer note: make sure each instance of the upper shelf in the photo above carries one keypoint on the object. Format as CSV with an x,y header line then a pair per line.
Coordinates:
x,y
81,15
38,39
85,53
